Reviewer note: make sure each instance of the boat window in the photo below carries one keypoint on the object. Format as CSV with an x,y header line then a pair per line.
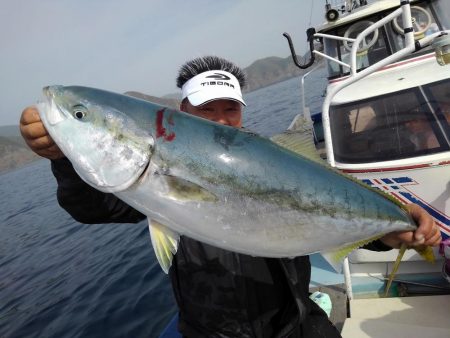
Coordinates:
x,y
331,49
371,50
395,126
439,96
428,18
424,23
442,10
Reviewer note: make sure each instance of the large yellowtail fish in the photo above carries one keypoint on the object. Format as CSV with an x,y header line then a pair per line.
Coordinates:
x,y
220,185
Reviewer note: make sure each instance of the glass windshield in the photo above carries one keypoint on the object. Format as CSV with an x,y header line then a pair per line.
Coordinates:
x,y
371,50
442,10
399,125
424,23
384,41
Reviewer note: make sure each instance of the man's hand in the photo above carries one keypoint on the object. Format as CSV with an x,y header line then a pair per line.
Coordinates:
x,y
36,136
427,233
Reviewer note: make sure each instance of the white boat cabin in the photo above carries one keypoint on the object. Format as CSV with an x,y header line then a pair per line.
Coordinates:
x,y
395,113
386,115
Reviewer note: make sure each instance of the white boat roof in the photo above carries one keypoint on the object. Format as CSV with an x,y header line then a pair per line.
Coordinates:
x,y
362,12
402,75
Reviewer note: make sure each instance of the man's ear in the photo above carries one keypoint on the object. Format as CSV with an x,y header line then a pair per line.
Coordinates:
x,y
183,105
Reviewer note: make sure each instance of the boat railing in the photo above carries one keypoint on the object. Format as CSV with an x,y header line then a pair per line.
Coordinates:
x,y
306,111
409,37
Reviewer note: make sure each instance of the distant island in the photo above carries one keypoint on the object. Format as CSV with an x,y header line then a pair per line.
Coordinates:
x,y
261,73
13,150
265,72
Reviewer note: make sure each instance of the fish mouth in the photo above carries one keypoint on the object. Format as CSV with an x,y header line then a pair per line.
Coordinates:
x,y
52,112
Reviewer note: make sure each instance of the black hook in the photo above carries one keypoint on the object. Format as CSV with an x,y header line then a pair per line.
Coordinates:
x,y
310,34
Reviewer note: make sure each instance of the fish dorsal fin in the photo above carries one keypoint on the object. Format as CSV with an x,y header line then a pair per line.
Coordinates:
x,y
165,243
299,139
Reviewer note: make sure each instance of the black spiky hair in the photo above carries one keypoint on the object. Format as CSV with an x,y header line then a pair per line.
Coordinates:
x,y
205,63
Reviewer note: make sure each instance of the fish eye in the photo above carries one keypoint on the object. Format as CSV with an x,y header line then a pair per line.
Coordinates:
x,y
79,112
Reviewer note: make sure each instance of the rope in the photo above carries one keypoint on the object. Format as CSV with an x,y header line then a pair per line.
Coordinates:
x,y
310,13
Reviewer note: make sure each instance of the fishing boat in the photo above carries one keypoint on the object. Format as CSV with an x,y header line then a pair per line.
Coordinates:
x,y
385,119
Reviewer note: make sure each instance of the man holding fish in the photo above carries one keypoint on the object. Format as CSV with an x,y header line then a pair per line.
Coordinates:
x,y
223,289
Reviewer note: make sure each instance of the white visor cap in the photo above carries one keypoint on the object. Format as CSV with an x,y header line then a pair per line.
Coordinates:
x,y
212,85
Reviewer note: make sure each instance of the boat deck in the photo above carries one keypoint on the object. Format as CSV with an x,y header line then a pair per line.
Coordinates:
x,y
339,301
419,308
417,315
409,317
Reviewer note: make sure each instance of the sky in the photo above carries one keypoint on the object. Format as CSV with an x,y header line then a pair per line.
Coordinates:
x,y
135,45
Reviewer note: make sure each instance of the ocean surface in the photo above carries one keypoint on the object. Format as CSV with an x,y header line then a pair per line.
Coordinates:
x,y
60,278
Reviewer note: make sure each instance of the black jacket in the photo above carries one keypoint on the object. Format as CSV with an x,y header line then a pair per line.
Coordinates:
x,y
219,293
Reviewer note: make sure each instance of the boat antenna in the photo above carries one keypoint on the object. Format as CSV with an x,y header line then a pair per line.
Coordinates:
x,y
310,13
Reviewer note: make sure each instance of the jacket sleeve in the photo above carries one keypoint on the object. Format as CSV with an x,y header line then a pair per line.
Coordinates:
x,y
86,204
377,245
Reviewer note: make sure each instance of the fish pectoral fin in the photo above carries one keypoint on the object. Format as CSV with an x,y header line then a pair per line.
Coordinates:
x,y
184,190
164,242
335,257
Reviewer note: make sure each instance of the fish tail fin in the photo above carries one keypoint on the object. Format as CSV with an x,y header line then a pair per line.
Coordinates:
x,y
164,242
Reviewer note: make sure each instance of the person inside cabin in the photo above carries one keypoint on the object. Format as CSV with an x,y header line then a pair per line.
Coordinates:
x,y
420,132
219,293
444,107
